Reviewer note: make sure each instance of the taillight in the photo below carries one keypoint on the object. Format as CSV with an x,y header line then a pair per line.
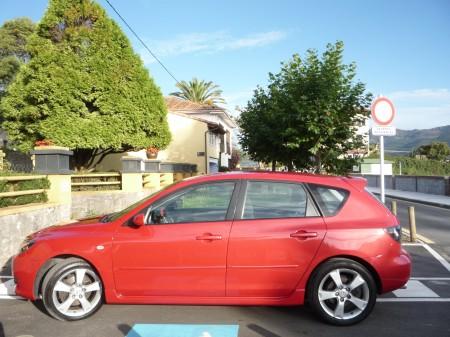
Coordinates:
x,y
394,232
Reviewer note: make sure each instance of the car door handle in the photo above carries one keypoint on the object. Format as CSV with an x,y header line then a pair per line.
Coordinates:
x,y
303,235
209,237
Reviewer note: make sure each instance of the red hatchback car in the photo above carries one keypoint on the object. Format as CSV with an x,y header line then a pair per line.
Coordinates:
x,y
225,239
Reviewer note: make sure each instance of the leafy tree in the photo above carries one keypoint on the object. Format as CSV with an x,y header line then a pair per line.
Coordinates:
x,y
435,151
13,38
308,115
84,88
199,91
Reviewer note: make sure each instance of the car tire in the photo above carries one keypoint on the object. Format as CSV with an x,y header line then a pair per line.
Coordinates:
x,y
342,292
72,290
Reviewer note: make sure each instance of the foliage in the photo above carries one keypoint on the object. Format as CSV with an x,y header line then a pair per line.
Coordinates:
x,y
435,151
307,117
419,167
199,91
13,38
84,88
23,185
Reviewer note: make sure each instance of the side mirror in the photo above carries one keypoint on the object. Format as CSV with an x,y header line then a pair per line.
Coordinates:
x,y
139,220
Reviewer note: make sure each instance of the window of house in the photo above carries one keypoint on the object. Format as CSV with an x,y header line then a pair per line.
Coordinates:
x,y
203,203
265,200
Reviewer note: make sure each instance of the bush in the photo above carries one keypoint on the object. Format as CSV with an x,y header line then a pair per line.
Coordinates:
x,y
420,167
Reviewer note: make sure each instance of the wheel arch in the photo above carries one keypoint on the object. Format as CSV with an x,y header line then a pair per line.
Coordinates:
x,y
354,258
53,261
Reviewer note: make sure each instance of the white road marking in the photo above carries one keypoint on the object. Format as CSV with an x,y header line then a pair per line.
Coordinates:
x,y
7,288
438,257
415,289
406,299
430,278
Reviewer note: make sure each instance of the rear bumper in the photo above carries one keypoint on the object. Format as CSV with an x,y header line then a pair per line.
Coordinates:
x,y
395,272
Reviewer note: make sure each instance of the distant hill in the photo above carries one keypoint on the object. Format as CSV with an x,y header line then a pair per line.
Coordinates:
x,y
407,140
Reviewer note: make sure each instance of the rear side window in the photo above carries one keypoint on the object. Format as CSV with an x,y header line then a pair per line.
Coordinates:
x,y
330,199
268,200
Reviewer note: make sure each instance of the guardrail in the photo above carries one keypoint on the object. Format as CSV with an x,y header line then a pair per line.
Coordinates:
x,y
96,182
22,190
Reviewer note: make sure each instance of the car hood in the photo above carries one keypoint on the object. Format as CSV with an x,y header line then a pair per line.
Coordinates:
x,y
82,224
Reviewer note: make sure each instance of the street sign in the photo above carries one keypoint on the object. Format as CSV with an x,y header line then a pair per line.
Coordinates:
x,y
383,111
379,130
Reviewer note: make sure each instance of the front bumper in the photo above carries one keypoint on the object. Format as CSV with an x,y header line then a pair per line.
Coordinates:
x,y
24,269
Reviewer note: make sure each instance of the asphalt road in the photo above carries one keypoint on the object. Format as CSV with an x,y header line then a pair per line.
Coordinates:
x,y
431,222
20,318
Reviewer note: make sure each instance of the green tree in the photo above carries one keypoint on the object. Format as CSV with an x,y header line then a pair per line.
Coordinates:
x,y
199,91
435,151
13,39
84,88
308,116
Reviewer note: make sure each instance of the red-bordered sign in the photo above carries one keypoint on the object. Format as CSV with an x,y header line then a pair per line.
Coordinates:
x,y
383,111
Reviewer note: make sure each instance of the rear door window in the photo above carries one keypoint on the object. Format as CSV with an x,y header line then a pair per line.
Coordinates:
x,y
267,200
330,199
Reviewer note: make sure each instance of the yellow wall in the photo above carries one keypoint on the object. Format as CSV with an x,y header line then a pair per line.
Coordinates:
x,y
188,138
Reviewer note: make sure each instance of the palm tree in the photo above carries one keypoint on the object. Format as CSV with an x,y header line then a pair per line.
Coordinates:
x,y
199,91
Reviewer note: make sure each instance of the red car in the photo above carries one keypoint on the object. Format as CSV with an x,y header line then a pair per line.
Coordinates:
x,y
226,239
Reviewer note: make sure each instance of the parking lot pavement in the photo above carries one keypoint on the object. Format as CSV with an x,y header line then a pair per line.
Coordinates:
x,y
420,310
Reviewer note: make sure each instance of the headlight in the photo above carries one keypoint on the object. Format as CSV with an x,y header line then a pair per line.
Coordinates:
x,y
395,232
26,244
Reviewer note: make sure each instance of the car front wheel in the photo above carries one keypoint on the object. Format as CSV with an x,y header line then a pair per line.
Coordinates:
x,y
342,292
72,290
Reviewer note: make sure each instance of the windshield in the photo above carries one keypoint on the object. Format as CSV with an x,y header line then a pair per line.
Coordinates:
x,y
114,216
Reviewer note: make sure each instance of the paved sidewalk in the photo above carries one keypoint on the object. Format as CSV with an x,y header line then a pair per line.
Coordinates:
x,y
423,198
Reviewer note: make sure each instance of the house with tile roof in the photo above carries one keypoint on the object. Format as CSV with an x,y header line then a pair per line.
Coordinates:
x,y
201,135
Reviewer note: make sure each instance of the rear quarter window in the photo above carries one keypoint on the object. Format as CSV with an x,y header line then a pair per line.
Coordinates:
x,y
329,199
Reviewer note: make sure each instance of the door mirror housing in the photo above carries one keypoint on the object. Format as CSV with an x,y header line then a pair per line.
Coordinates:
x,y
139,220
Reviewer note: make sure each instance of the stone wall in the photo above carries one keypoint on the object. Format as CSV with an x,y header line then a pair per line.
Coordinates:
x,y
17,222
86,204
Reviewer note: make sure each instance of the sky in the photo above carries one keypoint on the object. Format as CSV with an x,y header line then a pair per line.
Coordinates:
x,y
401,48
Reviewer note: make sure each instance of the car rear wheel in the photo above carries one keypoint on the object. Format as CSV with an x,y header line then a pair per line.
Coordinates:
x,y
342,292
72,290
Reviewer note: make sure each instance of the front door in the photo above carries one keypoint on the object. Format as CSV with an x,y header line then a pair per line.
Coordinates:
x,y
182,249
273,240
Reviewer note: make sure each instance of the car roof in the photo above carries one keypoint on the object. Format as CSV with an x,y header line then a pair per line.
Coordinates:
x,y
331,180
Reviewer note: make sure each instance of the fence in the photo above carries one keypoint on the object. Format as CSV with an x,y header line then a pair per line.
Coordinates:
x,y
21,190
423,184
96,182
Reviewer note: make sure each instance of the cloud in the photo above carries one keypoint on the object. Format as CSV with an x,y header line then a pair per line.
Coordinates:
x,y
421,108
209,43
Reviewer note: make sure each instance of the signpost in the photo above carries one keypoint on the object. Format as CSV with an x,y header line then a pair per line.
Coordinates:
x,y
383,113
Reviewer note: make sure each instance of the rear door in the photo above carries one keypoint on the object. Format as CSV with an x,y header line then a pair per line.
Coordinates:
x,y
275,236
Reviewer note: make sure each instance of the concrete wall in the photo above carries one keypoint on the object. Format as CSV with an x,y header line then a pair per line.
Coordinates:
x,y
85,204
18,222
421,184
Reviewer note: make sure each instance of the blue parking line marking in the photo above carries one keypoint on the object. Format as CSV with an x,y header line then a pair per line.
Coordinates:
x,y
183,330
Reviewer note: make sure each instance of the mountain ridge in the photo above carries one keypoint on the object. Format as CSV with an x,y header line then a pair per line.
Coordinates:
x,y
408,140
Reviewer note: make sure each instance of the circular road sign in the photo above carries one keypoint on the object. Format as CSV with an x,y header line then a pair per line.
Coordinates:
x,y
382,111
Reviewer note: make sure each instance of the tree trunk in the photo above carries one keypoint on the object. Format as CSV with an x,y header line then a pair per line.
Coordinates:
x,y
87,159
274,164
